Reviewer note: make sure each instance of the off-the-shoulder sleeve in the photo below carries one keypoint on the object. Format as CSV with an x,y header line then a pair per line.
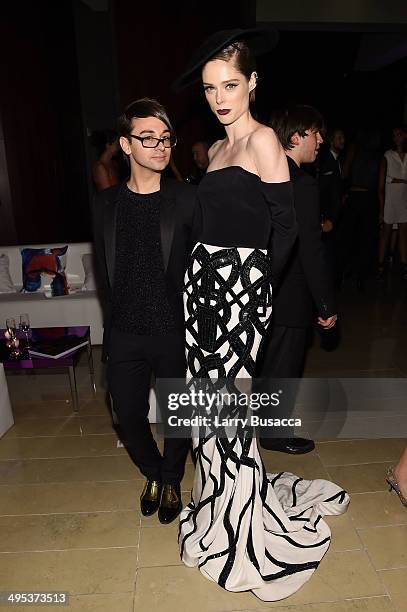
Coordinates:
x,y
280,199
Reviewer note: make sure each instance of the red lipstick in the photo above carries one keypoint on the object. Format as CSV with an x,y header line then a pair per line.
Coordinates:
x,y
223,111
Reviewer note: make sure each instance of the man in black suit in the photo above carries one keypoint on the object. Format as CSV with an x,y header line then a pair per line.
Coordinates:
x,y
306,281
330,179
142,239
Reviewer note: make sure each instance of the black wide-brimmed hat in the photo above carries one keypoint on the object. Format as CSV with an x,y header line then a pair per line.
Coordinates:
x,y
259,40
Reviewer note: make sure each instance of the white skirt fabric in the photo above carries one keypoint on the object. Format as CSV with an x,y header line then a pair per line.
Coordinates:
x,y
395,204
245,529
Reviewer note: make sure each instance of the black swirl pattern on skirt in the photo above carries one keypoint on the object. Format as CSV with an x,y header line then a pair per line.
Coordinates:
x,y
228,307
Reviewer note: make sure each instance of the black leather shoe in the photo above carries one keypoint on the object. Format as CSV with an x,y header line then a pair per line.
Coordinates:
x,y
293,446
150,497
171,503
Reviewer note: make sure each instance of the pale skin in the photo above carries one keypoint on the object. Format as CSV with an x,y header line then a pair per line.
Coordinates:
x,y
304,151
146,165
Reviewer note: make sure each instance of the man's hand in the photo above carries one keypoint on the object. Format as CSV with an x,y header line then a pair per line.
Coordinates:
x,y
327,323
327,225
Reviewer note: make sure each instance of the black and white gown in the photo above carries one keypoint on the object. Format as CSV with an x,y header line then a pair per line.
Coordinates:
x,y
245,529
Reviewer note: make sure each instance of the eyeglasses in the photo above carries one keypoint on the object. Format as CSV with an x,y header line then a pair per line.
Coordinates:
x,y
149,142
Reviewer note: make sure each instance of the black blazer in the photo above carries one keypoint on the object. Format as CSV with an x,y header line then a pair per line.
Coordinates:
x,y
176,213
307,277
331,185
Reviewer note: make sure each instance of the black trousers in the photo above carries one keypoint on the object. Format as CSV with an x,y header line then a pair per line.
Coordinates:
x,y
281,359
132,359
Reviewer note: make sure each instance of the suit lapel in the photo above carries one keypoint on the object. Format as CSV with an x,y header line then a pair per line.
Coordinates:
x,y
167,221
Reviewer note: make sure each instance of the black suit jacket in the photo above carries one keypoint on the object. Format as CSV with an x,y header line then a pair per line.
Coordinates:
x,y
176,213
307,277
331,186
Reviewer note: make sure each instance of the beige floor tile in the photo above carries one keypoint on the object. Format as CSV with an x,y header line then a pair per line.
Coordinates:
x,y
188,480
307,466
365,604
175,588
340,576
106,602
67,446
376,509
364,478
57,408
117,467
344,536
66,531
396,584
94,405
360,451
97,424
55,426
399,602
159,546
110,570
387,546
40,409
70,497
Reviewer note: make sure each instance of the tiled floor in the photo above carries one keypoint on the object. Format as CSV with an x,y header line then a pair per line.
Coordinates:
x,y
69,512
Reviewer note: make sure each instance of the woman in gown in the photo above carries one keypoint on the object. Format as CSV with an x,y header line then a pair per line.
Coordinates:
x,y
245,529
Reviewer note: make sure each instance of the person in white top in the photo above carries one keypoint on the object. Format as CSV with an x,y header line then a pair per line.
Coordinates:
x,y
393,198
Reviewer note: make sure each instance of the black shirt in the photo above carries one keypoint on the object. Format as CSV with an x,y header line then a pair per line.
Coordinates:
x,y
140,302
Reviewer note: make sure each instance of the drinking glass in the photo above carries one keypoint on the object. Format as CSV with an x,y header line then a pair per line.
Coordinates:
x,y
25,327
11,327
12,342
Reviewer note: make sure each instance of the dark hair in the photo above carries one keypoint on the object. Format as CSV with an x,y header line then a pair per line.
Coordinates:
x,y
140,109
243,57
100,138
298,118
205,143
403,128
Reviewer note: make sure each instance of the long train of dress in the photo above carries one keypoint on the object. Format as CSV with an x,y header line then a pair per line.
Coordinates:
x,y
245,529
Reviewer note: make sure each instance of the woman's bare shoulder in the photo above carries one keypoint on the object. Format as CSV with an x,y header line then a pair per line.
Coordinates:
x,y
264,137
214,148
268,155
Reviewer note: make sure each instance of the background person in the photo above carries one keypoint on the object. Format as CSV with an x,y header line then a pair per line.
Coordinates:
x,y
393,199
105,171
201,162
307,279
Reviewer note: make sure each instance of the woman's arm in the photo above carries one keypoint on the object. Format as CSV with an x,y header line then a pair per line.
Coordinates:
x,y
100,177
268,155
382,183
272,167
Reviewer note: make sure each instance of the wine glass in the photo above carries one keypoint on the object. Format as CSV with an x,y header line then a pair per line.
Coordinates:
x,y
12,342
25,328
11,327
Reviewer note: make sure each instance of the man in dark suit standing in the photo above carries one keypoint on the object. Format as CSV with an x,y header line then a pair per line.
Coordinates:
x,y
306,281
142,239
330,178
